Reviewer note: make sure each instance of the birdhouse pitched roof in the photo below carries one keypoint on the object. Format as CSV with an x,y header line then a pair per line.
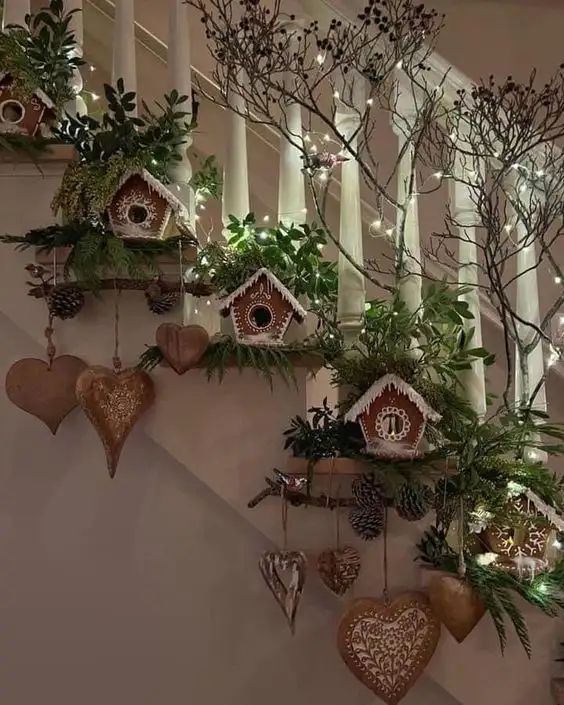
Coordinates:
x,y
228,301
43,97
154,184
393,382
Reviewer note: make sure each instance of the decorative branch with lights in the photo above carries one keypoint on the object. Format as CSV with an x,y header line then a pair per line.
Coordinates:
x,y
267,61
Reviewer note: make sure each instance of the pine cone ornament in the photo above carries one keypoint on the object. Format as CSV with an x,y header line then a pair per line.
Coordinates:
x,y
65,301
367,523
413,501
367,493
160,302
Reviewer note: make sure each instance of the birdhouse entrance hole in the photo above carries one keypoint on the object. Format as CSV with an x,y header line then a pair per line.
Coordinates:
x,y
260,316
392,424
137,214
12,112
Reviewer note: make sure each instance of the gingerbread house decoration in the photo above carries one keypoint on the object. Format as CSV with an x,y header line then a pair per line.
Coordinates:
x,y
392,416
143,207
262,309
30,116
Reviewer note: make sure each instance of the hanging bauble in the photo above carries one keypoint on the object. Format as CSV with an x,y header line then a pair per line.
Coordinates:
x,y
47,392
339,568
183,347
273,564
159,301
366,492
413,501
456,604
367,523
65,301
388,646
114,402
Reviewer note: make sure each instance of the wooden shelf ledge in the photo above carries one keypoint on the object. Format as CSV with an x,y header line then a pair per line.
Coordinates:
x,y
56,153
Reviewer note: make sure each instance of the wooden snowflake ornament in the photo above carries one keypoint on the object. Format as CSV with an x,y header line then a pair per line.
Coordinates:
x,y
262,309
142,207
393,417
23,116
388,647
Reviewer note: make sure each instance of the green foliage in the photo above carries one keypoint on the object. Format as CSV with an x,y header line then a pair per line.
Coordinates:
x,y
207,181
293,254
224,353
41,54
32,147
96,253
324,436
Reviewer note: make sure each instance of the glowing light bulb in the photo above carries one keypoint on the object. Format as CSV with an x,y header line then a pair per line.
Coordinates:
x,y
389,232
320,59
399,65
438,175
336,95
95,97
370,101
377,224
558,280
266,219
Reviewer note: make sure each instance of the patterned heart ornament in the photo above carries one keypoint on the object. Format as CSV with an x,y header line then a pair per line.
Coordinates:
x,y
339,568
387,647
114,402
294,563
47,393
182,346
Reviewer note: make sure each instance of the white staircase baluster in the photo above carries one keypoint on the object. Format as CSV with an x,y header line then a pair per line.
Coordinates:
x,y
236,170
124,61
464,213
15,12
352,294
410,282
77,106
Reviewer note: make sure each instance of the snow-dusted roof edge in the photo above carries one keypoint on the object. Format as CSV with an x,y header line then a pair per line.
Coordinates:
x,y
43,97
175,203
275,282
396,382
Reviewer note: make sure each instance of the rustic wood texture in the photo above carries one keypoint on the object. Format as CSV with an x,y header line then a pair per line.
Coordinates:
x,y
287,594
197,289
182,346
114,403
388,647
456,604
46,393
339,568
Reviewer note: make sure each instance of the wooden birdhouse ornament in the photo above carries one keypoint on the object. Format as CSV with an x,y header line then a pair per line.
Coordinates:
x,y
23,116
392,416
143,207
262,309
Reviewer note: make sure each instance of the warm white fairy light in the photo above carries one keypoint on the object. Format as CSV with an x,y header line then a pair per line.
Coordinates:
x,y
399,65
304,211
557,544
558,280
208,302
320,59
389,232
94,96
323,176
327,138
438,175
266,219
336,95
377,224
540,173
92,68
313,149
263,235
370,101
307,138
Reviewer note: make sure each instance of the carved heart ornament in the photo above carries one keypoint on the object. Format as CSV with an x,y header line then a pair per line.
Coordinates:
x,y
182,346
387,647
272,565
339,568
114,402
47,393
456,604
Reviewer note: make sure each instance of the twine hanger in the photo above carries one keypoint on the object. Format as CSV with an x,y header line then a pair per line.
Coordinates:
x,y
116,360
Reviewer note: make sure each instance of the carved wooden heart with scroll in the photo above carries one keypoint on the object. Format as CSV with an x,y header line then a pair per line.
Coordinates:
x,y
387,647
273,565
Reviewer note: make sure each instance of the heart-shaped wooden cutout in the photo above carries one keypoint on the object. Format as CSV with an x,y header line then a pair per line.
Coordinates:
x,y
339,568
183,347
387,647
114,402
47,393
456,604
294,563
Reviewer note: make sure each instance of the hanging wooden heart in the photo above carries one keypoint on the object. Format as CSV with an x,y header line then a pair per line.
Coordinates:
x,y
387,647
339,568
114,402
183,347
272,564
456,604
45,392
